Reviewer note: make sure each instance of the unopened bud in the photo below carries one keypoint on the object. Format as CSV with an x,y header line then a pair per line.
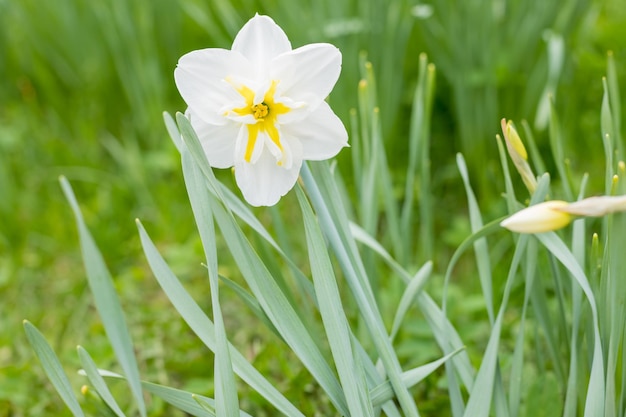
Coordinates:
x,y
539,218
518,154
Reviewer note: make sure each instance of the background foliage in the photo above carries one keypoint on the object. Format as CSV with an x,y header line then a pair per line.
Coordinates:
x,y
83,88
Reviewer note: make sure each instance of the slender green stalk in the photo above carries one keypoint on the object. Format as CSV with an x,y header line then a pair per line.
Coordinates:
x,y
419,164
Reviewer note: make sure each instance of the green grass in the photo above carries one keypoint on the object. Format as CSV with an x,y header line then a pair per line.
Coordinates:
x,y
83,89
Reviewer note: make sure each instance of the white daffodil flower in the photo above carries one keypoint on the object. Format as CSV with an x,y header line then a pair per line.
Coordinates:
x,y
260,107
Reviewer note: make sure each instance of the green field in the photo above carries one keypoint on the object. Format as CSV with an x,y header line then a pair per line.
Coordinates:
x,y
83,88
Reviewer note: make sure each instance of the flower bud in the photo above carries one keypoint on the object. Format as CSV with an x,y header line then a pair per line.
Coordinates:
x,y
539,218
512,138
518,154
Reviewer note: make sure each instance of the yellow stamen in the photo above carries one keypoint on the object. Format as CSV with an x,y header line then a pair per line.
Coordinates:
x,y
265,115
259,111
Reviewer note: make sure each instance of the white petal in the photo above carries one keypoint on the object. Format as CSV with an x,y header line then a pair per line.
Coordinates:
x,y
308,73
292,151
322,134
241,145
265,182
260,40
297,111
218,141
200,78
243,119
596,206
273,147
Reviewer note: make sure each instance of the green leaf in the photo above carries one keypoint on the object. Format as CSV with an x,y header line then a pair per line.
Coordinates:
x,y
276,306
203,327
594,405
517,362
251,302
480,245
483,263
615,102
414,287
360,235
242,211
411,292
91,370
210,408
384,391
262,284
334,224
608,138
107,301
386,190
556,144
445,334
53,368
487,380
446,338
227,403
234,204
479,401
183,400
93,403
508,183
333,316
533,150
419,162
172,130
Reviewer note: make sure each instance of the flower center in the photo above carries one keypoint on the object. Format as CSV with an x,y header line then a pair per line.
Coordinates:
x,y
265,116
260,111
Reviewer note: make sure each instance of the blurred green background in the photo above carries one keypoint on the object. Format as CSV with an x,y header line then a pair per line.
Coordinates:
x,y
82,89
